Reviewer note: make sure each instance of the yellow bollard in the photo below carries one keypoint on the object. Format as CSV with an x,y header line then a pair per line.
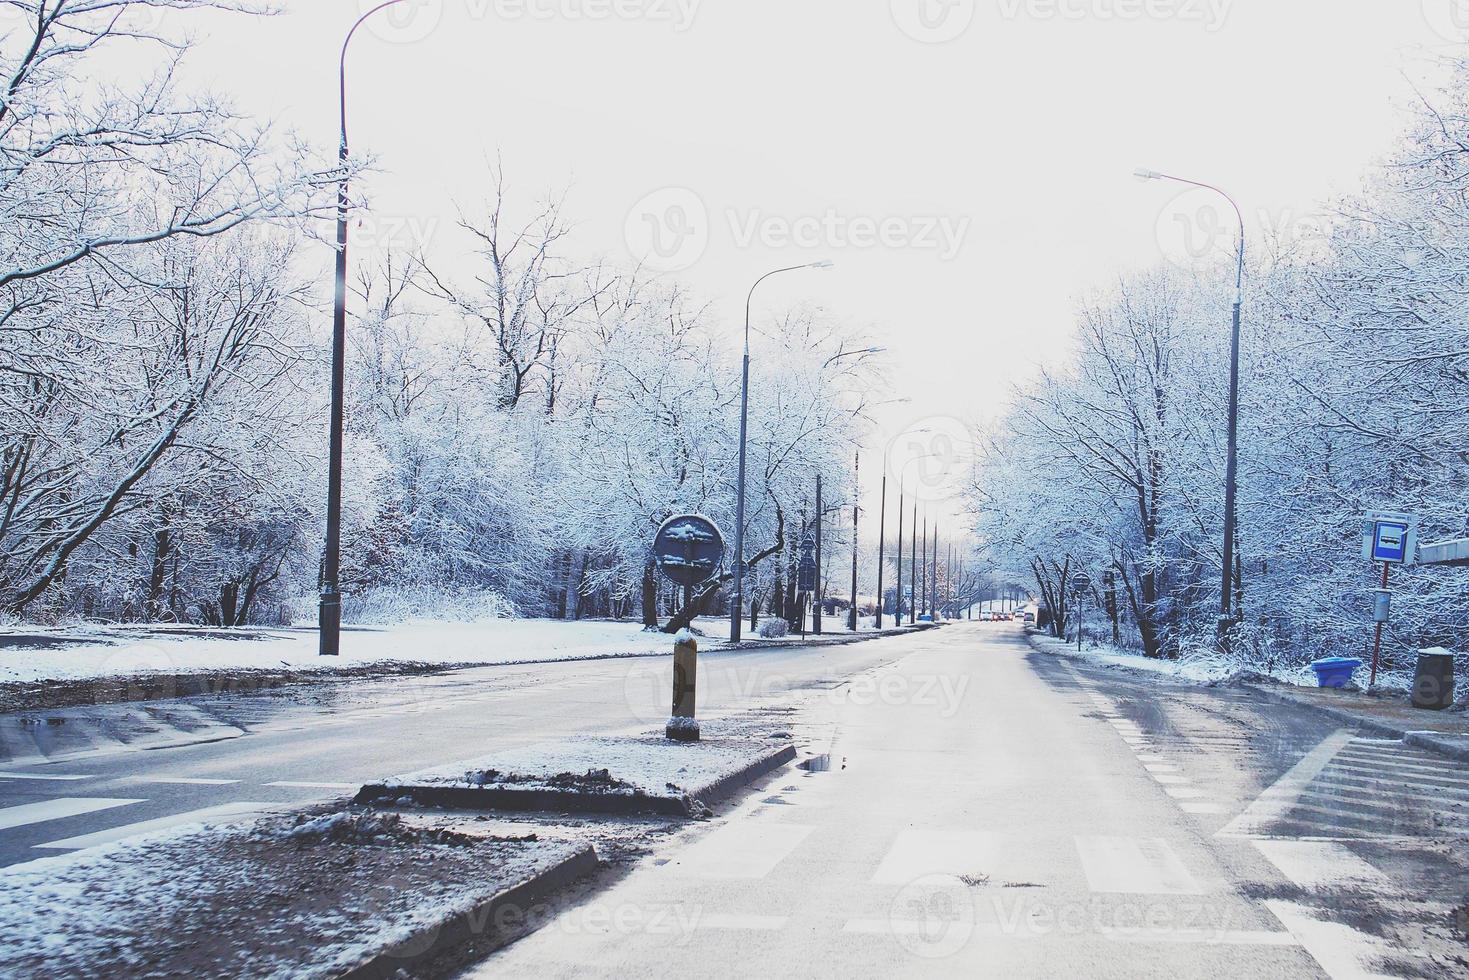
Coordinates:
x,y
683,726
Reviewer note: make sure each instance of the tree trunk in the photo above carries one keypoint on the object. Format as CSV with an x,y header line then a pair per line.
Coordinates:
x,y
650,596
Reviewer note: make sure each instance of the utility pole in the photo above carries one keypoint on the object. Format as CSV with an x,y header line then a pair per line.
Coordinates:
x,y
856,484
923,580
934,591
820,577
881,536
913,569
898,594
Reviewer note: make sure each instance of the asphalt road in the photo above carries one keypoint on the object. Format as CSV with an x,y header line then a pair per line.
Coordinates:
x,y
80,777
993,811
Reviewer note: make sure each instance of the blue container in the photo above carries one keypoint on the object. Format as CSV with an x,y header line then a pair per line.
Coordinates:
x,y
1335,671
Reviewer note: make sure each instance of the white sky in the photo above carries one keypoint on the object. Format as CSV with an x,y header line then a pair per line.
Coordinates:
x,y
1024,128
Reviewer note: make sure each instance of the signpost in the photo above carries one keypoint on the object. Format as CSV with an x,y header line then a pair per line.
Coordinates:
x,y
1081,583
1392,539
689,550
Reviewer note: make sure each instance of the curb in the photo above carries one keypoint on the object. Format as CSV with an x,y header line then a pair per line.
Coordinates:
x,y
19,696
573,801
1431,741
457,928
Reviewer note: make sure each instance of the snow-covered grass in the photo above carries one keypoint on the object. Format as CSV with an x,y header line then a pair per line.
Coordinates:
x,y
1202,664
93,652
128,651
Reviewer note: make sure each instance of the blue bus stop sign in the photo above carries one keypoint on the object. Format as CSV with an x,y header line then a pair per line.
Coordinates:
x,y
1390,537
689,549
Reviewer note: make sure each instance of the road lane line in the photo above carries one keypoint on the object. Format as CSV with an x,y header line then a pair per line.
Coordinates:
x,y
1281,795
916,853
183,780
29,813
1134,866
37,775
741,850
303,785
1202,937
1322,864
149,826
729,920
1341,951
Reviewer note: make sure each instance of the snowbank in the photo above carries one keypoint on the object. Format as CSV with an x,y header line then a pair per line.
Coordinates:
x,y
125,651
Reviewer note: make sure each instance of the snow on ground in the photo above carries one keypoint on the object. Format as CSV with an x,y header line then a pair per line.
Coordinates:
x,y
125,651
248,898
87,653
649,764
1201,665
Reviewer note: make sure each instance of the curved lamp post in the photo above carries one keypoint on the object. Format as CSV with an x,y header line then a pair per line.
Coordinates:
x,y
1226,598
737,600
330,614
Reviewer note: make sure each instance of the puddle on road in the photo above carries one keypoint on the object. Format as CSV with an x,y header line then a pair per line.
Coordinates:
x,y
820,763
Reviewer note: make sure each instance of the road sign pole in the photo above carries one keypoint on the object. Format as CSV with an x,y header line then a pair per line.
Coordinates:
x,y
1377,637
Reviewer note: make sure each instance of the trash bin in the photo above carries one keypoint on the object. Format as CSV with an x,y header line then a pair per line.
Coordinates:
x,y
1335,671
1433,681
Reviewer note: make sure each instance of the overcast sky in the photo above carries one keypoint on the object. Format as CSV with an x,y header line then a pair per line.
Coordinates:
x,y
967,165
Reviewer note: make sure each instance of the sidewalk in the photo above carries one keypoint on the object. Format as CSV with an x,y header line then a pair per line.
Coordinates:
x,y
1387,714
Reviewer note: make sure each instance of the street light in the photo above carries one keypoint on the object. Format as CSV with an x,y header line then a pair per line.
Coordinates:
x,y
738,599
1226,614
330,612
881,531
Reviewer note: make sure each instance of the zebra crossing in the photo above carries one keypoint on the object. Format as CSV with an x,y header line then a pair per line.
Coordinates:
x,y
31,739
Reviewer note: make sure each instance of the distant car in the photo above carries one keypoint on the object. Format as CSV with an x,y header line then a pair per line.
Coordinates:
x,y
1030,619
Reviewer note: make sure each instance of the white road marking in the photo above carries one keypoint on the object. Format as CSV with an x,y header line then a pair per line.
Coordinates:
x,y
741,850
149,826
1159,767
29,813
299,785
184,780
1188,806
1135,866
1341,951
1322,864
1203,937
1184,792
1281,795
916,853
37,775
728,920
1166,779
